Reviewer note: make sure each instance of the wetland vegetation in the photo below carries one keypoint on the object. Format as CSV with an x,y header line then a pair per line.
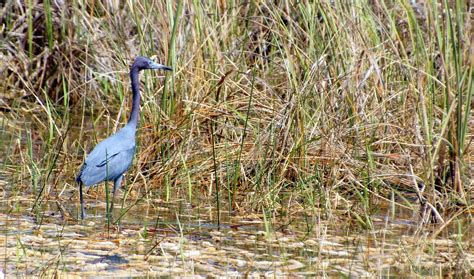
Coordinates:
x,y
293,138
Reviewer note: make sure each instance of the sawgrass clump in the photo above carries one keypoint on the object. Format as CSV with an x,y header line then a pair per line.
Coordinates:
x,y
275,106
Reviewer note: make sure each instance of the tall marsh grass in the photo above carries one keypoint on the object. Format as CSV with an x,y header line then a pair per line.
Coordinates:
x,y
274,105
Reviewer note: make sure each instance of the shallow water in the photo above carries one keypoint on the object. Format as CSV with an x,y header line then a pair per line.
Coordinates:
x,y
180,239
177,238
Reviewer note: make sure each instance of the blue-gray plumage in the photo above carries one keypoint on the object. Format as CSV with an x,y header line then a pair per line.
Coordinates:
x,y
113,156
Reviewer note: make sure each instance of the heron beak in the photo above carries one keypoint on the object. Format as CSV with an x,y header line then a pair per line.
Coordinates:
x,y
160,67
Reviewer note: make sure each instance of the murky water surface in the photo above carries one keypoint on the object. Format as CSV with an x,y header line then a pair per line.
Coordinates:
x,y
156,238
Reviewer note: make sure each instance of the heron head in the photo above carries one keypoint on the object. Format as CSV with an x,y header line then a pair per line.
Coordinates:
x,y
143,63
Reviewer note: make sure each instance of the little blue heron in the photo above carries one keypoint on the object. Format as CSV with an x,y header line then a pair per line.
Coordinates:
x,y
113,156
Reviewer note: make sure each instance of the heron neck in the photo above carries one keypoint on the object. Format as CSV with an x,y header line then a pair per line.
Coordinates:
x,y
133,120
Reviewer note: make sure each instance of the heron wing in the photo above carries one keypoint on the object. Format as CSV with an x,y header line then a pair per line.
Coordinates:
x,y
111,169
109,147
109,159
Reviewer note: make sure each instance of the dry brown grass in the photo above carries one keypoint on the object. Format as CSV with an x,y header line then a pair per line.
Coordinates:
x,y
347,100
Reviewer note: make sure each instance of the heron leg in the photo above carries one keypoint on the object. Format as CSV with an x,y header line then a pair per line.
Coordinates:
x,y
83,213
117,183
